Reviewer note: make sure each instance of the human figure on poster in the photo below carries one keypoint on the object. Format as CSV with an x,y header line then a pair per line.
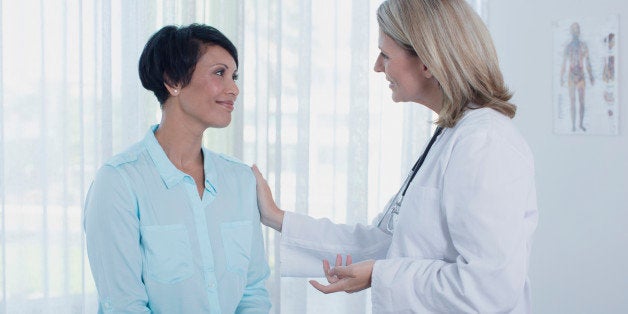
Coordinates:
x,y
577,54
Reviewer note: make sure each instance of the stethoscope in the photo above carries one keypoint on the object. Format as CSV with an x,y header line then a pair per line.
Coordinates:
x,y
394,205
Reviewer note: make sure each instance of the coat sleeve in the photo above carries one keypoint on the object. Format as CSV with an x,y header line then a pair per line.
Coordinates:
x,y
306,241
488,200
113,244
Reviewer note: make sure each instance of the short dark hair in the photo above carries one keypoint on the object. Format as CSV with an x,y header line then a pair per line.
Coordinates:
x,y
171,54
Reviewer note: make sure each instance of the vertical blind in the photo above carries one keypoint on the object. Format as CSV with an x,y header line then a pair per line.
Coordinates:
x,y
311,113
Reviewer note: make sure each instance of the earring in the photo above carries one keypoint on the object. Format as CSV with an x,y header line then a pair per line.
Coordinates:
x,y
175,91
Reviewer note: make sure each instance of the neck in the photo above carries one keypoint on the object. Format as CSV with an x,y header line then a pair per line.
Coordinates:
x,y
181,144
434,99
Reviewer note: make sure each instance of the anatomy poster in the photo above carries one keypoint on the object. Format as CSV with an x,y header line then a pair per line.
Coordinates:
x,y
585,76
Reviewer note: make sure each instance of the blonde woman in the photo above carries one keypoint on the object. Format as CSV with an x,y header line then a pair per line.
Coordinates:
x,y
457,236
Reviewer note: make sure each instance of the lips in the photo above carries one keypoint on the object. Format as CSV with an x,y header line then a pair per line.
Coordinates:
x,y
227,104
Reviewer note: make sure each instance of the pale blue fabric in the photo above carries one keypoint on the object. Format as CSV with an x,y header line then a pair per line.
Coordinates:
x,y
155,246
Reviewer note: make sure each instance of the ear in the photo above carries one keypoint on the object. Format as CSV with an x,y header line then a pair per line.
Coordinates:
x,y
173,90
425,71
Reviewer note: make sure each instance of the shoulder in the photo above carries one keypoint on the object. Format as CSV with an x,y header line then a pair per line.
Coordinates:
x,y
115,171
484,121
109,185
486,126
479,121
232,160
229,163
129,155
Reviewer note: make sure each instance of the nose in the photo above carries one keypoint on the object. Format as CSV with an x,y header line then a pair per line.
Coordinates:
x,y
379,67
233,89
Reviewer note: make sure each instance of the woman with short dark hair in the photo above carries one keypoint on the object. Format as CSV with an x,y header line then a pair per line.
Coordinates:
x,y
171,226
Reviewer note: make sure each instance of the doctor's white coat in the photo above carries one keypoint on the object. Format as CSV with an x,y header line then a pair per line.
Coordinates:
x,y
463,238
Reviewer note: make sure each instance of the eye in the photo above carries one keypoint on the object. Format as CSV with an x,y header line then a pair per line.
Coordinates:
x,y
383,55
235,76
220,72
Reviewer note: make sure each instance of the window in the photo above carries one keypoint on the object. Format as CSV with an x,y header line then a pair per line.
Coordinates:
x,y
312,114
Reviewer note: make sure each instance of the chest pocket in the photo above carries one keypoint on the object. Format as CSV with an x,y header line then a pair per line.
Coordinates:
x,y
167,252
236,240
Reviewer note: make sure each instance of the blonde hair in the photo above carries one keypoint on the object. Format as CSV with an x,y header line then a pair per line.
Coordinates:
x,y
455,45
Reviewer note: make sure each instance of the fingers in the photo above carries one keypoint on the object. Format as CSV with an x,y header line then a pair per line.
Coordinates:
x,y
333,278
318,286
351,278
348,262
258,175
342,285
326,269
331,288
341,272
326,266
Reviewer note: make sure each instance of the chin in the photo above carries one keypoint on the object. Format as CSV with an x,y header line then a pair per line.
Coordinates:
x,y
218,122
219,125
396,98
222,124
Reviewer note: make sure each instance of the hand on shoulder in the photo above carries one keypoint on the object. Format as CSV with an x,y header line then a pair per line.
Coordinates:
x,y
270,214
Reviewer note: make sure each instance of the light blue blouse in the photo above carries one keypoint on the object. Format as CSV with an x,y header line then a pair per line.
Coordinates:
x,y
155,246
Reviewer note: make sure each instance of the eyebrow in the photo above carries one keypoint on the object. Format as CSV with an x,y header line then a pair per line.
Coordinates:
x,y
224,65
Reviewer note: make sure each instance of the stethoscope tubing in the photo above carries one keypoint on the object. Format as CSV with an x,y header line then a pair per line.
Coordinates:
x,y
395,203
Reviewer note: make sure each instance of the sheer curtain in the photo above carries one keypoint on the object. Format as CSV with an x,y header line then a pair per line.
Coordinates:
x,y
321,124
70,97
311,113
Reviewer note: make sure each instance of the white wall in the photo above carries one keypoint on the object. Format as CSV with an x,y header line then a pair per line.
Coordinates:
x,y
580,255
